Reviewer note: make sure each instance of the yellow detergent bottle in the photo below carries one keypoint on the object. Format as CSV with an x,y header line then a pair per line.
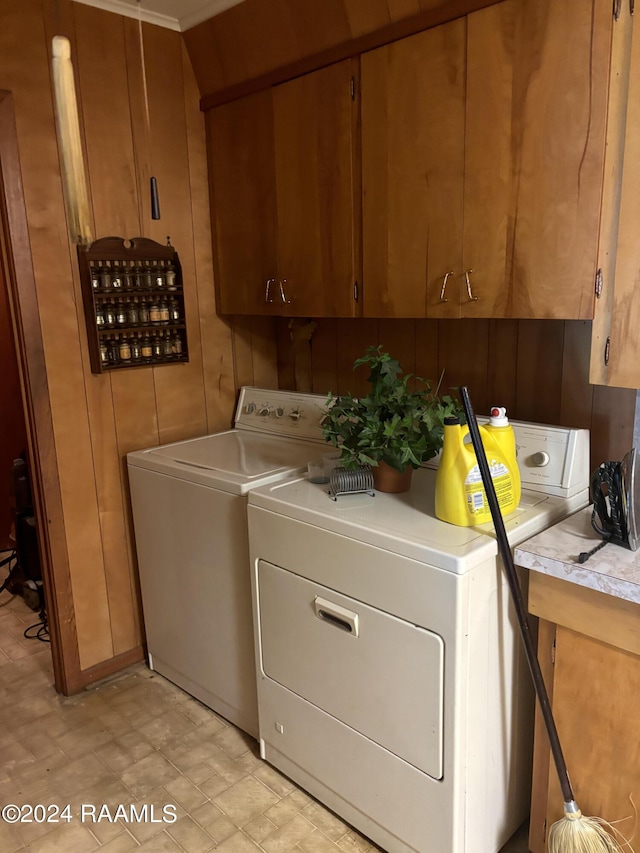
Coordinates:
x,y
502,431
460,495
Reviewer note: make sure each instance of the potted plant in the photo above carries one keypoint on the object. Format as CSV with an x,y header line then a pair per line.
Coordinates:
x,y
393,428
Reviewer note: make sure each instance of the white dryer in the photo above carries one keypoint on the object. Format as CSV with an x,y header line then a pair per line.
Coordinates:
x,y
391,682
189,504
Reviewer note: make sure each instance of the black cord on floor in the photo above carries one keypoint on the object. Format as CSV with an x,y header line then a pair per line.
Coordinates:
x,y
8,560
12,556
42,632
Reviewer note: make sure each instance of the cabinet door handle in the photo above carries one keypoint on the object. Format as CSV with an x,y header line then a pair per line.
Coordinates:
x,y
283,295
338,617
444,286
472,298
267,290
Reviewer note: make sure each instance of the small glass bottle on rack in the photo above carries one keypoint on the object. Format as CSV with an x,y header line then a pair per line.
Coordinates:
x,y
176,343
158,276
154,312
146,347
167,347
109,314
157,345
114,350
136,348
163,311
116,277
96,283
100,315
174,310
170,275
143,312
124,350
128,277
105,277
133,315
104,352
148,275
138,275
121,313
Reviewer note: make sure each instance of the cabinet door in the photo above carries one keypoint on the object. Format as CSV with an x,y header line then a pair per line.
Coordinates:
x,y
595,694
413,166
560,84
489,176
615,344
317,188
243,205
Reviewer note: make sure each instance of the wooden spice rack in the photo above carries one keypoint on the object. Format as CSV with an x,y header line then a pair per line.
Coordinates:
x,y
133,303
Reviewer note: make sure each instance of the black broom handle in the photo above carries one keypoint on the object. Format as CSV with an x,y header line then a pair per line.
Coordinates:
x,y
516,593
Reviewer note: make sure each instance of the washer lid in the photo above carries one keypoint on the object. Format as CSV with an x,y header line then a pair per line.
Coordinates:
x,y
406,523
234,461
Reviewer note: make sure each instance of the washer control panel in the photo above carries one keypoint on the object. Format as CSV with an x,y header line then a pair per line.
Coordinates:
x,y
551,459
281,412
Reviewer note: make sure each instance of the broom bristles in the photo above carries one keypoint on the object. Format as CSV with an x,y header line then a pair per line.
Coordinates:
x,y
575,833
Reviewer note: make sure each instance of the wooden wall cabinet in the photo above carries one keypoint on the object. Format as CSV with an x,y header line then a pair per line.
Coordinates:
x,y
285,197
615,344
413,102
133,303
488,152
483,146
589,650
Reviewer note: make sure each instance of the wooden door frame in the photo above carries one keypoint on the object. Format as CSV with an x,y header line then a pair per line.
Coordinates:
x,y
17,267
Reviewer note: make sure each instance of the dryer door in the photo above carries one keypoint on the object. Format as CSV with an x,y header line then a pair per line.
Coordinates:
x,y
376,673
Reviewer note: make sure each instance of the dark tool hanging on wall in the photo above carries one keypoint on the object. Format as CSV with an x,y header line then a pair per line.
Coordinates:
x,y
153,184
155,201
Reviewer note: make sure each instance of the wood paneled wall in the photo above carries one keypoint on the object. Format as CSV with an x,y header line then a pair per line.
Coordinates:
x,y
538,369
256,37
98,419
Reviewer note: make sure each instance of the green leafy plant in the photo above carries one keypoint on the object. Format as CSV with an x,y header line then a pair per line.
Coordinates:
x,y
392,423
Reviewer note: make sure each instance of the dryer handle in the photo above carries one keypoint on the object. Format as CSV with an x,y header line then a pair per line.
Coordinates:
x,y
333,614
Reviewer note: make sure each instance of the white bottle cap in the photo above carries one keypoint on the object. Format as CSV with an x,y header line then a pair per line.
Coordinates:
x,y
498,417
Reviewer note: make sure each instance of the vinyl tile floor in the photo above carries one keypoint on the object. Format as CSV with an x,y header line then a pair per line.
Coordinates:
x,y
138,741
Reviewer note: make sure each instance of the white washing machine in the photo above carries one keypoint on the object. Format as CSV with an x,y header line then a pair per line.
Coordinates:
x,y
190,518
391,682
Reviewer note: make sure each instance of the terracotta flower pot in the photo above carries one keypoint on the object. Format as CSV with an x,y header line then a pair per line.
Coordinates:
x,y
388,479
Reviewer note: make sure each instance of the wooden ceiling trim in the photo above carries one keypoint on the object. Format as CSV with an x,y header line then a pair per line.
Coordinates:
x,y
429,17
366,16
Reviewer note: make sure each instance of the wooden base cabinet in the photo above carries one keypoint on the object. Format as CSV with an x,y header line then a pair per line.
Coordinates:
x,y
483,144
285,197
589,650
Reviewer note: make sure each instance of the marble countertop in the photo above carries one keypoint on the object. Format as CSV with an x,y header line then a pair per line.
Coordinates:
x,y
613,570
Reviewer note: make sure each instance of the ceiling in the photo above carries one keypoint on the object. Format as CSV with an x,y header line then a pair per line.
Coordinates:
x,y
173,14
